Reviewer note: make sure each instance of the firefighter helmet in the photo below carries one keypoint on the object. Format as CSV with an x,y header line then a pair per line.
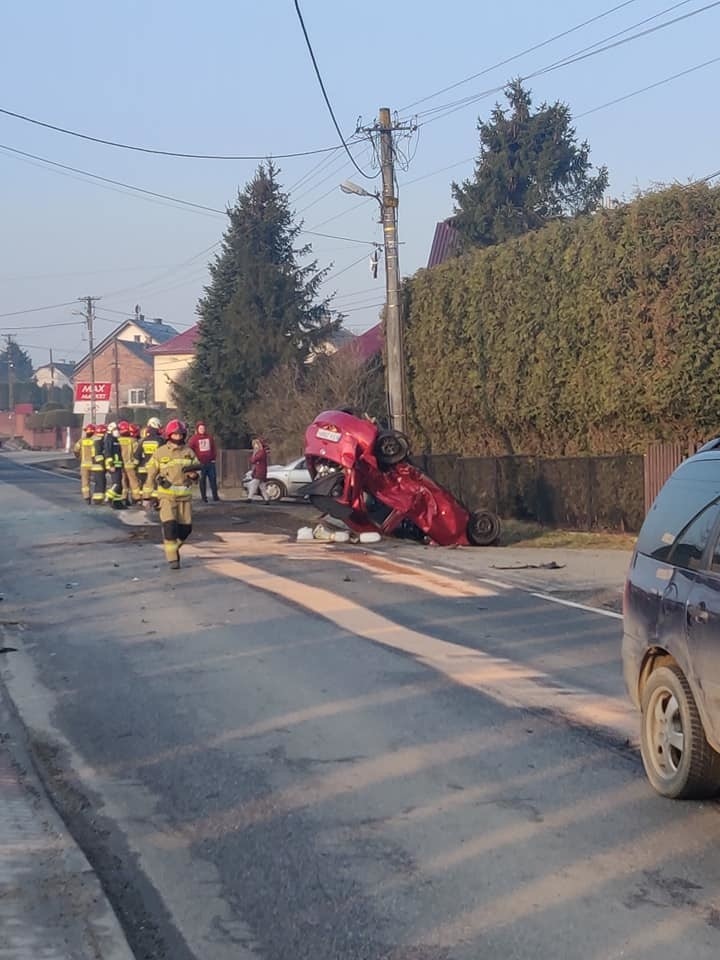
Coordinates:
x,y
124,426
89,429
175,426
154,422
101,428
134,430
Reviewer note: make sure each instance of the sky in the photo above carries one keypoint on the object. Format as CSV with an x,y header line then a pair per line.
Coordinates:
x,y
235,77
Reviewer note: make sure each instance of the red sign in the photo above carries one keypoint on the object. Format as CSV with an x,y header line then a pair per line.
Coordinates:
x,y
83,391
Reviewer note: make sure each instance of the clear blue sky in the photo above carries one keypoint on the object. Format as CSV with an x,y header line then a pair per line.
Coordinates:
x,y
232,77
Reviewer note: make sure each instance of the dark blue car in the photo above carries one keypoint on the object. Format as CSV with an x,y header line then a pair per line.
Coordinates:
x,y
671,636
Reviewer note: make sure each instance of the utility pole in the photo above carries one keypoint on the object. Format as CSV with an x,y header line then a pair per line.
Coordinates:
x,y
52,375
393,318
11,375
117,378
395,367
89,319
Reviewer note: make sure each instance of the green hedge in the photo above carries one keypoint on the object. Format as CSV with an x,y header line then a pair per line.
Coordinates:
x,y
594,335
49,419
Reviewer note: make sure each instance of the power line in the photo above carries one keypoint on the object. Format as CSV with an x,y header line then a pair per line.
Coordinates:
x,y
117,183
48,326
334,276
165,153
652,86
577,57
49,306
152,194
315,169
517,56
165,274
325,95
619,33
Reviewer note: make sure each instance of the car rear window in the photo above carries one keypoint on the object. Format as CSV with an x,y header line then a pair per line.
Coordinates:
x,y
694,485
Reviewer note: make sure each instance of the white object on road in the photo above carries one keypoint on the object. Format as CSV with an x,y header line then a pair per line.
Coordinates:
x,y
305,533
370,537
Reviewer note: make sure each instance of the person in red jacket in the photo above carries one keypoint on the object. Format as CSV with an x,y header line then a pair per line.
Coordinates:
x,y
203,446
258,465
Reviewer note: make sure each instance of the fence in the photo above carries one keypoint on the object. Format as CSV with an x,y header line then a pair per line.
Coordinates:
x,y
579,492
660,461
610,492
232,465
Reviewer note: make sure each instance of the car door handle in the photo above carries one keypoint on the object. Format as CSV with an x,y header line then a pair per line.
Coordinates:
x,y
698,614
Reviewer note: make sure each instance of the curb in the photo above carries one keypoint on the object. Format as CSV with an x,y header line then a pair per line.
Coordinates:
x,y
101,931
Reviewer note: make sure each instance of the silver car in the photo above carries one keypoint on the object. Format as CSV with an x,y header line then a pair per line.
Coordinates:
x,y
283,480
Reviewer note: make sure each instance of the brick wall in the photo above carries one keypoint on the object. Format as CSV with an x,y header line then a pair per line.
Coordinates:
x,y
135,372
15,426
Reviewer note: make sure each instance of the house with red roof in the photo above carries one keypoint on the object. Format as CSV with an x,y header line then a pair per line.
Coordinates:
x,y
170,361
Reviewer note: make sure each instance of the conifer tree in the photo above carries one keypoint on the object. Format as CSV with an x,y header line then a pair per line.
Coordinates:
x,y
531,170
261,309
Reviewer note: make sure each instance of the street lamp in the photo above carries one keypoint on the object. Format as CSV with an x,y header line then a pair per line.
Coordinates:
x,y
347,186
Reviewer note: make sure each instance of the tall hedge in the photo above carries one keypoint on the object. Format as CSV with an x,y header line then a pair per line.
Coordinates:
x,y
595,335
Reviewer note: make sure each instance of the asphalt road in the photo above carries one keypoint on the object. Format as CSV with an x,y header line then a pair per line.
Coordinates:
x,y
290,751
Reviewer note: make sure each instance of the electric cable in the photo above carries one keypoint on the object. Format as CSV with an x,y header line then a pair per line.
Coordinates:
x,y
150,193
325,95
652,86
577,57
517,56
167,153
49,306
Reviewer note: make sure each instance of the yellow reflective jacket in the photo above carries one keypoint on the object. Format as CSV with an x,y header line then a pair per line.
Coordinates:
x,y
146,448
168,470
84,450
128,450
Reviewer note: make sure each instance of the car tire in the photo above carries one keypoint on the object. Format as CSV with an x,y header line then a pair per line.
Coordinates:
x,y
679,762
483,529
275,490
391,447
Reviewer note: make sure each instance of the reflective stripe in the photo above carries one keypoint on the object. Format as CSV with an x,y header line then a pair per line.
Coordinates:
x,y
173,492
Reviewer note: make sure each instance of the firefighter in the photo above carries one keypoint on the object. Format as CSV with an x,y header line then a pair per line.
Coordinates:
x,y
151,438
171,470
84,450
98,465
114,495
128,447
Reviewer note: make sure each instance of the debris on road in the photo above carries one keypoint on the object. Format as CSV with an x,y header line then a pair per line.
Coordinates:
x,y
552,565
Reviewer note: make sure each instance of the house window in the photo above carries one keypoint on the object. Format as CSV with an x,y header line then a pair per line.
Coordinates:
x,y
137,338
136,398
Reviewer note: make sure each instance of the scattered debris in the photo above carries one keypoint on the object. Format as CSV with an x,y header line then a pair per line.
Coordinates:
x,y
347,579
552,565
69,586
136,579
8,649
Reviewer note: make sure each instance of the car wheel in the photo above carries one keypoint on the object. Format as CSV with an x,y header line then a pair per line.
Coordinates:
x,y
678,760
391,447
483,529
275,490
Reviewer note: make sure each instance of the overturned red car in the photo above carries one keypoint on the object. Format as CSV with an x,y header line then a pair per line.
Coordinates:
x,y
362,475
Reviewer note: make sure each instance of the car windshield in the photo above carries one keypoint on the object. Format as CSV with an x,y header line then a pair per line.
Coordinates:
x,y
694,485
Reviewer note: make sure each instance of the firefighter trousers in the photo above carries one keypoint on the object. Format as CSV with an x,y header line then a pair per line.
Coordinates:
x,y
85,482
98,484
176,520
131,484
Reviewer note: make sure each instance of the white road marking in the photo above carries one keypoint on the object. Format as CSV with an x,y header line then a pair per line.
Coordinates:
x,y
501,584
578,606
436,566
418,563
